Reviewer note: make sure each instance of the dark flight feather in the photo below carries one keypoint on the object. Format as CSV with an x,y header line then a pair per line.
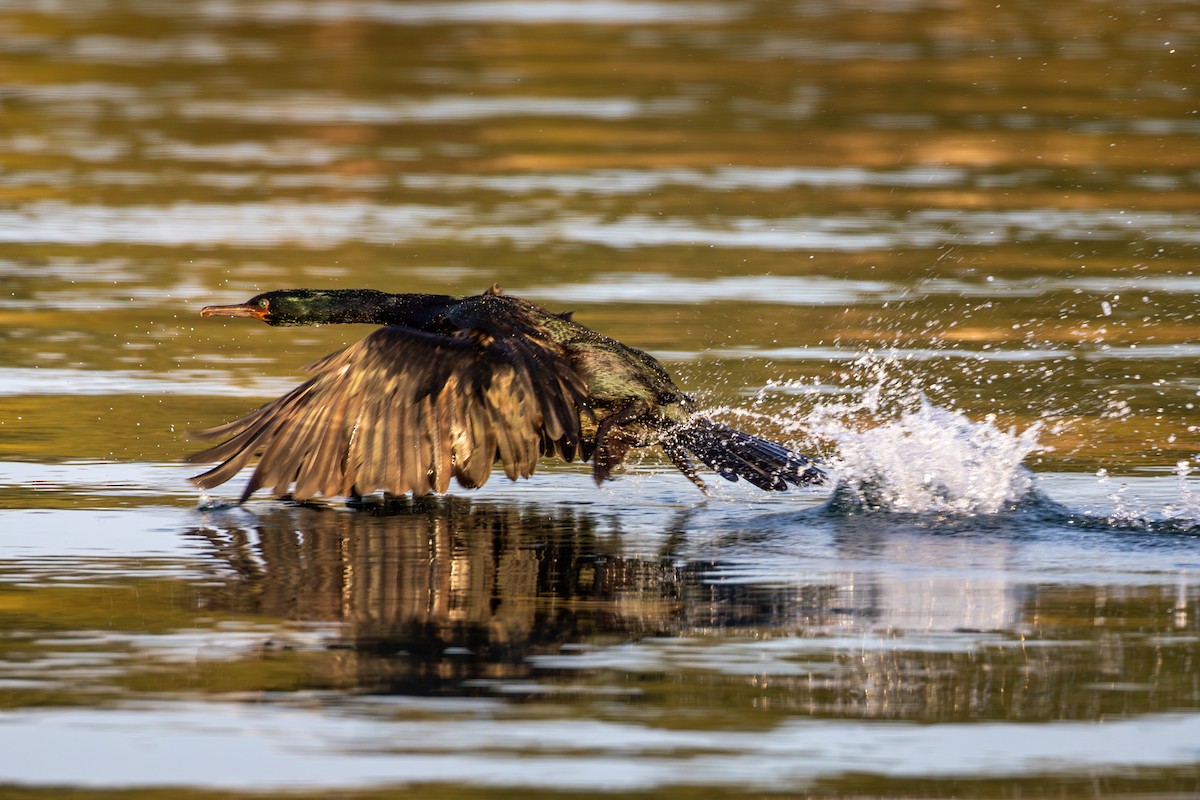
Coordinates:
x,y
405,411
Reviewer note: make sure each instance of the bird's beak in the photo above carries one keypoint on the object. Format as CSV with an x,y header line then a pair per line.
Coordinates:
x,y
239,310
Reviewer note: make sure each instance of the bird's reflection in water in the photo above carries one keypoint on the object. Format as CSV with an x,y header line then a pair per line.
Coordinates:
x,y
442,590
458,597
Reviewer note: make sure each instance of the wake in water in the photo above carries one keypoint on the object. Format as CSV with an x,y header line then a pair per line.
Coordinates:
x,y
892,449
1175,510
928,460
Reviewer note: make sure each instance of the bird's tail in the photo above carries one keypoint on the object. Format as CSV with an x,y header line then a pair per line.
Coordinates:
x,y
734,454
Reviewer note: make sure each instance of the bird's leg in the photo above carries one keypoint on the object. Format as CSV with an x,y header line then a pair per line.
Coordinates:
x,y
612,443
683,464
354,499
398,502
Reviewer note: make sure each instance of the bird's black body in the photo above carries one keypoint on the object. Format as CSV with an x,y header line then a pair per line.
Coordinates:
x,y
450,386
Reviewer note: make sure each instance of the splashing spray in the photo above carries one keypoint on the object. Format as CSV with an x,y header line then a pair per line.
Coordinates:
x,y
893,449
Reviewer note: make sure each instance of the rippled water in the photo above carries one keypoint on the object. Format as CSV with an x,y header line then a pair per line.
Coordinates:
x,y
949,249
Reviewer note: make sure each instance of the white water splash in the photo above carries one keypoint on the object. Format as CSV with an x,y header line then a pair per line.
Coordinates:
x,y
1176,504
1188,507
892,449
930,460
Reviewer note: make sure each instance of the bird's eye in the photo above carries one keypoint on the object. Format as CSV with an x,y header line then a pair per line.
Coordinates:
x,y
263,303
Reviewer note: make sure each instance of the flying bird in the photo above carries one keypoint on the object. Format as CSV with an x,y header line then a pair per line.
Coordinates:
x,y
450,386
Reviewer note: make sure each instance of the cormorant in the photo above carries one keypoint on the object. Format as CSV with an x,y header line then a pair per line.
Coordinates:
x,y
449,386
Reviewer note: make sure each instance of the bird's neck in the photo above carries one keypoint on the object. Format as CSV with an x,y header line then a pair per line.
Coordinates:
x,y
373,307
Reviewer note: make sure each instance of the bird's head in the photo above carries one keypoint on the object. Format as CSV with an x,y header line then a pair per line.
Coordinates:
x,y
303,306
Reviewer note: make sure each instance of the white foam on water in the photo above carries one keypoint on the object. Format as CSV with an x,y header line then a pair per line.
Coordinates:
x,y
1174,502
931,460
891,448
893,441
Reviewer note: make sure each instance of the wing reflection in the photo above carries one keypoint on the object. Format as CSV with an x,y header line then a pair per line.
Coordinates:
x,y
455,596
456,588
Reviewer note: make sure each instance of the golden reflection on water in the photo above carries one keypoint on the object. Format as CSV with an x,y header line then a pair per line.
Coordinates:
x,y
997,201
442,596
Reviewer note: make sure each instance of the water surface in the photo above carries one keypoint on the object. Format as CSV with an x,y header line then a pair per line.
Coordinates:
x,y
950,250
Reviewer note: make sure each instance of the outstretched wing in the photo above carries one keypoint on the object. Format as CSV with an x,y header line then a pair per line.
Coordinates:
x,y
405,411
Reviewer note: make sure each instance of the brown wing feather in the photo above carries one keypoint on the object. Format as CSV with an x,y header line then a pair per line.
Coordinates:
x,y
405,411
